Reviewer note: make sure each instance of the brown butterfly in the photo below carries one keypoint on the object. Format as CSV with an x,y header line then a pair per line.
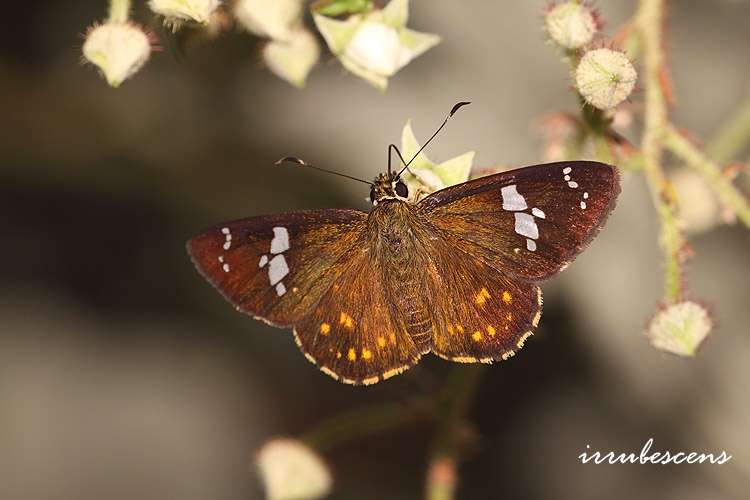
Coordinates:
x,y
454,274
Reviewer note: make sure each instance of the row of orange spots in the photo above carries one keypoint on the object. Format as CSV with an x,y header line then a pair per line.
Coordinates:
x,y
352,354
325,328
391,337
477,335
507,297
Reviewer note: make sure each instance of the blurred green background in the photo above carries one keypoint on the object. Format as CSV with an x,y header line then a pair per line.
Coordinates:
x,y
124,375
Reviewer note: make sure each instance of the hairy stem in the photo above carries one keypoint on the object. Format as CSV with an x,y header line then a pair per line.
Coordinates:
x,y
361,422
650,21
733,137
694,158
446,450
119,11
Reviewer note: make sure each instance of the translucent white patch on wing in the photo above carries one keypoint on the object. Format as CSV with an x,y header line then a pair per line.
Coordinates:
x,y
525,225
263,261
280,289
537,213
530,245
512,199
280,241
277,269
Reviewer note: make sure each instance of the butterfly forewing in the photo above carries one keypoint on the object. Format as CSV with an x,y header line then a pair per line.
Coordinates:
x,y
528,223
277,267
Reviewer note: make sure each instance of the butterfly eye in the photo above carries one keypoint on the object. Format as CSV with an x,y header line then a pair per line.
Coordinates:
x,y
372,194
402,190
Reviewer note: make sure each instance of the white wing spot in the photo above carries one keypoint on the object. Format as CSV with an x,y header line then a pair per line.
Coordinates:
x,y
277,269
227,238
531,245
225,230
225,267
538,213
586,195
280,241
221,259
280,289
263,261
583,205
567,178
525,225
567,170
512,199
573,184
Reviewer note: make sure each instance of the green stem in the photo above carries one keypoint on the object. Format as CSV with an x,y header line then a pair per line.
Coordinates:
x,y
650,21
700,162
457,397
119,11
365,421
733,137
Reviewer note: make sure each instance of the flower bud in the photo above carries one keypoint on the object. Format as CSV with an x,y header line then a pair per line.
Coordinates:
x,y
293,59
275,19
571,25
179,11
680,328
698,208
605,78
377,44
290,470
119,50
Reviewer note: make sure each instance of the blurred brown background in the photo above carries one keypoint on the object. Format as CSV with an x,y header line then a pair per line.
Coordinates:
x,y
123,375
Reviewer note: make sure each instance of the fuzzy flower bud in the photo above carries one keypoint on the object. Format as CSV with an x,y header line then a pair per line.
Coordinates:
x,y
179,11
605,78
376,44
293,59
571,25
275,19
290,470
680,328
698,208
119,50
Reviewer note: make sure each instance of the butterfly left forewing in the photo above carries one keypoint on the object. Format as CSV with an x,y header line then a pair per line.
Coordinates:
x,y
277,267
530,222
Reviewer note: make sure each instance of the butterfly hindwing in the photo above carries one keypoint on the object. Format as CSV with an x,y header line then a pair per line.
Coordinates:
x,y
277,267
479,314
354,333
528,223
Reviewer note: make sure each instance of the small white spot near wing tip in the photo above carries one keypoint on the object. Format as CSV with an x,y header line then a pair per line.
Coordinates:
x,y
573,184
225,267
263,261
586,195
538,213
227,245
280,289
225,230
583,205
566,178
531,245
567,170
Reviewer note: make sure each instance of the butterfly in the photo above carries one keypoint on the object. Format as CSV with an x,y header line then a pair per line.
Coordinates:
x,y
455,274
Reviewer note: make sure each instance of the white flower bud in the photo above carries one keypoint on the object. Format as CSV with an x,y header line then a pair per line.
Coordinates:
x,y
177,11
290,470
293,59
375,45
680,328
571,25
605,78
119,50
274,19
698,208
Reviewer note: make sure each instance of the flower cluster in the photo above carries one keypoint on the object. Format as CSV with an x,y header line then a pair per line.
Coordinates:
x,y
372,43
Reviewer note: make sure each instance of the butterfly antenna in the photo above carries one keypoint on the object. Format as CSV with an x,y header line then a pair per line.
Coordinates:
x,y
303,163
455,108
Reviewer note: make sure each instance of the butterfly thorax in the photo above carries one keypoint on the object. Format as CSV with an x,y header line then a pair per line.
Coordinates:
x,y
398,232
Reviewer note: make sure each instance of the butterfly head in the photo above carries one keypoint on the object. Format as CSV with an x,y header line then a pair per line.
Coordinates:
x,y
388,187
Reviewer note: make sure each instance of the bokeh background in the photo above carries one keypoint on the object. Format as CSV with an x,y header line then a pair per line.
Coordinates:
x,y
124,375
